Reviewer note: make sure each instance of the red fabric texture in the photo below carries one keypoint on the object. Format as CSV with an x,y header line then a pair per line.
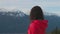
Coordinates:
x,y
38,27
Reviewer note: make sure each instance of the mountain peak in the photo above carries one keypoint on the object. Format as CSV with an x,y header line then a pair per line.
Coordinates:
x,y
13,13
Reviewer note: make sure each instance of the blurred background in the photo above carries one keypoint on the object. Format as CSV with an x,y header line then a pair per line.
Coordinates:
x,y
14,15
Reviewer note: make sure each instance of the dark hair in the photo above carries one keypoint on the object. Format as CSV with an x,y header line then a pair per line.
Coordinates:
x,y
36,13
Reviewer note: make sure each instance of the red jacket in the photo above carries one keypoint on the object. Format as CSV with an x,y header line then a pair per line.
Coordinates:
x,y
38,27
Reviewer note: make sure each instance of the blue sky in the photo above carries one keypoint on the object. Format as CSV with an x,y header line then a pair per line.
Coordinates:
x,y
51,6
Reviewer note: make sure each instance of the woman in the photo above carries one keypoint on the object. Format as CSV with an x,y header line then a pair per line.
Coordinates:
x,y
38,24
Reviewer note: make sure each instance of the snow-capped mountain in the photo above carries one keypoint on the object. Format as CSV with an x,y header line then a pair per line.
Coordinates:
x,y
16,21
17,12
12,13
3,10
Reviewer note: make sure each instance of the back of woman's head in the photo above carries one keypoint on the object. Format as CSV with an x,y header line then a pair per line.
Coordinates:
x,y
36,13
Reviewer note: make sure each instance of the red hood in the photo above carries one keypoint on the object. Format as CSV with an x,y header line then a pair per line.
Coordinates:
x,y
38,27
43,23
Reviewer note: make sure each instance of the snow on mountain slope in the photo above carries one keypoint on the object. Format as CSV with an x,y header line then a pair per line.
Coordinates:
x,y
17,12
12,13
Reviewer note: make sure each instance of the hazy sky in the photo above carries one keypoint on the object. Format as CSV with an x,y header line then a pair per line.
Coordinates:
x,y
25,5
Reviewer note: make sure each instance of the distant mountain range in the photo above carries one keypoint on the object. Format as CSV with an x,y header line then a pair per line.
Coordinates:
x,y
17,21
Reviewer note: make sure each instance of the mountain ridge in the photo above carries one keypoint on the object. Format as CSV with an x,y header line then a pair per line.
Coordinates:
x,y
13,24
18,11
